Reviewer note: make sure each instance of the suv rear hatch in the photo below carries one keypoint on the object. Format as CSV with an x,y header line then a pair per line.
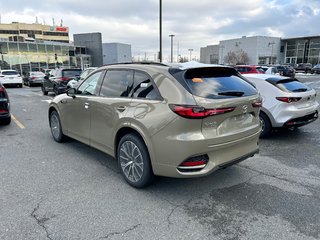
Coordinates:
x,y
231,102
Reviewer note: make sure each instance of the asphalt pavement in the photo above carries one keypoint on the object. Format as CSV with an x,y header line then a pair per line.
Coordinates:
x,y
71,191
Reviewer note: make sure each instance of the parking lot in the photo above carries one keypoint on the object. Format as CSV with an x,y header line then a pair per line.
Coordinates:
x,y
71,191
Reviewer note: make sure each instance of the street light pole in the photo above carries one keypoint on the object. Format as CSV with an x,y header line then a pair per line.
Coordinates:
x,y
271,43
190,50
171,36
160,29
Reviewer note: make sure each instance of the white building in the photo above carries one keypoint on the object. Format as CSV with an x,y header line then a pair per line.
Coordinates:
x,y
209,54
116,53
258,49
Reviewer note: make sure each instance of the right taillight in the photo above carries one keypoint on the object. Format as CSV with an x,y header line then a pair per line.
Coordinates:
x,y
1,89
288,99
197,112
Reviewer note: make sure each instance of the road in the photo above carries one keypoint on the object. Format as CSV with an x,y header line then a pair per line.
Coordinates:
x,y
71,191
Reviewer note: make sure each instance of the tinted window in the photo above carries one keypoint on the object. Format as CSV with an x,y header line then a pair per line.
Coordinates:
x,y
117,83
71,72
292,85
89,86
143,87
10,73
217,83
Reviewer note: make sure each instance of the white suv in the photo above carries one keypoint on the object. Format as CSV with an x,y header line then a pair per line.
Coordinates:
x,y
10,77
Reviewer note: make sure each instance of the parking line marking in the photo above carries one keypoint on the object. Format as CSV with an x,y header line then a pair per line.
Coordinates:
x,y
19,124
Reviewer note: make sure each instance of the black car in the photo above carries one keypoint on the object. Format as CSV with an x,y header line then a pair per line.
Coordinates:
x,y
286,71
316,69
304,67
5,117
58,79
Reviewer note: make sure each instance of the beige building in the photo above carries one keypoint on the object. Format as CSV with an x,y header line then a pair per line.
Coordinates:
x,y
34,31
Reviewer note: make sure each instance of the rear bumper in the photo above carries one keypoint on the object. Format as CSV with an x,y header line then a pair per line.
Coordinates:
x,y
11,81
298,122
220,156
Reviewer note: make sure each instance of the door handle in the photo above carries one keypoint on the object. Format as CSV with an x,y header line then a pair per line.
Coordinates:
x,y
121,108
86,105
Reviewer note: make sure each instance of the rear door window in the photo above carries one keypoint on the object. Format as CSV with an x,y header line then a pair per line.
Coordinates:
x,y
143,87
217,83
117,83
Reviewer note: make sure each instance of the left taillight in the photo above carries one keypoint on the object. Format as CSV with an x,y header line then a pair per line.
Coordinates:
x,y
65,79
288,99
197,112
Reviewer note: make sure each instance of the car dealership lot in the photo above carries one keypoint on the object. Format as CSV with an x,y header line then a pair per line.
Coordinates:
x,y
71,191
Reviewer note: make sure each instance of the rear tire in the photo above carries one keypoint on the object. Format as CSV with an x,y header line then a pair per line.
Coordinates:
x,y
55,126
265,125
134,161
44,90
6,121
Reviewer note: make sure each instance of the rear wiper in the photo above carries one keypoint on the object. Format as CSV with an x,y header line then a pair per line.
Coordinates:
x,y
232,93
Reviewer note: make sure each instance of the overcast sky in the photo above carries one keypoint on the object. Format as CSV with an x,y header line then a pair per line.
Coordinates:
x,y
195,23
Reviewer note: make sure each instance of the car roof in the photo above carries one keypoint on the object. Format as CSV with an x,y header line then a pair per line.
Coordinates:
x,y
265,76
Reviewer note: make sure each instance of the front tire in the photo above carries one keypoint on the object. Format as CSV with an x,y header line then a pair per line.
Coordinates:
x,y
134,161
265,125
55,126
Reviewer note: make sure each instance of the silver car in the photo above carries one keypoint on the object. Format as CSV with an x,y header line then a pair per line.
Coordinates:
x,y
286,102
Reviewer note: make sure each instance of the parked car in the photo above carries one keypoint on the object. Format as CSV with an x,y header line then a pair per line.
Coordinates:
x,y
286,71
316,69
304,67
246,69
269,70
10,77
5,117
287,103
33,78
161,120
76,82
58,80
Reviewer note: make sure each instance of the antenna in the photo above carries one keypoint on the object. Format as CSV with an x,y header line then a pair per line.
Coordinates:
x,y
53,22
61,23
37,20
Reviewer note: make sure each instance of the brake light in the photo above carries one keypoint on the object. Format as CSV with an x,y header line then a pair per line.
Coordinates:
x,y
3,111
1,89
65,79
197,112
32,78
288,99
257,104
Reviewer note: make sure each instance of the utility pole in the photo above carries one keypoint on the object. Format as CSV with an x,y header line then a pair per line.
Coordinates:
x,y
171,57
190,50
160,30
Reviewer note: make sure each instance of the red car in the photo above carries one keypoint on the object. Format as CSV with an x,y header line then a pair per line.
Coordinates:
x,y
247,69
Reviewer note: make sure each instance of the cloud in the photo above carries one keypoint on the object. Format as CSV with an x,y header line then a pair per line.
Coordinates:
x,y
194,23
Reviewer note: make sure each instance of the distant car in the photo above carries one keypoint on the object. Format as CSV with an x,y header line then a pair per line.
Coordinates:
x,y
10,77
58,80
316,69
159,120
286,102
247,69
74,83
5,117
269,70
304,67
286,71
33,78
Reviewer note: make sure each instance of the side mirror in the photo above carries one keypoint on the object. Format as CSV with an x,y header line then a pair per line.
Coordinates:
x,y
72,92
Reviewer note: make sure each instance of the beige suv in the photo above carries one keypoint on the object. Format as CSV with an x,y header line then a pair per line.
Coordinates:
x,y
160,120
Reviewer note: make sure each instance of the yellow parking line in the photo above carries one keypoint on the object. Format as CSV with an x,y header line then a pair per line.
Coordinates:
x,y
19,124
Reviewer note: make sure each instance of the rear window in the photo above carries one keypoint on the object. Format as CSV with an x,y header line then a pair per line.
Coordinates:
x,y
289,85
10,73
71,73
36,73
216,83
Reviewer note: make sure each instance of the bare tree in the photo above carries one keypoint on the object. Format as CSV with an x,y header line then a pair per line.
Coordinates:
x,y
243,57
231,58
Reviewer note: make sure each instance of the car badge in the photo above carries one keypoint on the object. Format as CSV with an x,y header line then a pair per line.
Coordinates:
x,y
244,108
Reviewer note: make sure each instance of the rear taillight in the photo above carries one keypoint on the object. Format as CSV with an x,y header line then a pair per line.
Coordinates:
x,y
1,89
32,78
195,163
3,111
197,112
288,99
65,79
257,104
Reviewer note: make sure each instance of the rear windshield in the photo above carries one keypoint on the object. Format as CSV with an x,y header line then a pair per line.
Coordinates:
x,y
36,73
216,83
10,73
71,73
289,85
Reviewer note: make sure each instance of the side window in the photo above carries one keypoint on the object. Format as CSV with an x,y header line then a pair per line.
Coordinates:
x,y
117,83
143,87
89,86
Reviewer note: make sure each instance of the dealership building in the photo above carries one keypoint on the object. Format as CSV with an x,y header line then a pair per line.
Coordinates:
x,y
262,50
